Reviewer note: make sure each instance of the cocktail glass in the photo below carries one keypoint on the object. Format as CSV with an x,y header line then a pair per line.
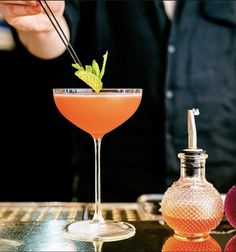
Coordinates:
x,y
97,114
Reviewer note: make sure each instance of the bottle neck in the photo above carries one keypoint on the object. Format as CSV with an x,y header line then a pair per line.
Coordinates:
x,y
192,165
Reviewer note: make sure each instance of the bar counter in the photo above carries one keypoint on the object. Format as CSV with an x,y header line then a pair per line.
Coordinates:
x,y
29,226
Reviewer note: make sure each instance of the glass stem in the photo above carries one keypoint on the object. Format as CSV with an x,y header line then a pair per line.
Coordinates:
x,y
97,246
98,210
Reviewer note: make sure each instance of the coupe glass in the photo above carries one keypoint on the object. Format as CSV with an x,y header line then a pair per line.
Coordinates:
x,y
97,114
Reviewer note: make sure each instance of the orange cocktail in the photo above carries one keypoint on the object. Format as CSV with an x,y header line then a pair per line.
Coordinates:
x,y
97,114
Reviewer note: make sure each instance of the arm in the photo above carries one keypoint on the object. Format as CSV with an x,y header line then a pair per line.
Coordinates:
x,y
34,28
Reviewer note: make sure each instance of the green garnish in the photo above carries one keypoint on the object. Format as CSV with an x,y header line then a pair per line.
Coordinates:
x,y
92,75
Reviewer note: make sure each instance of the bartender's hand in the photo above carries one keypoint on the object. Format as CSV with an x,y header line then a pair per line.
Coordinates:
x,y
29,15
33,26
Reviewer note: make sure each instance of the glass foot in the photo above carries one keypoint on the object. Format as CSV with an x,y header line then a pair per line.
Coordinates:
x,y
89,231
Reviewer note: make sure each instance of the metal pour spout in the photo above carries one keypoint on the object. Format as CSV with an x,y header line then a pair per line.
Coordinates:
x,y
192,132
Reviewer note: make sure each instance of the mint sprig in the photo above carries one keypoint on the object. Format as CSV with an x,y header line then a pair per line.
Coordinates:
x,y
92,75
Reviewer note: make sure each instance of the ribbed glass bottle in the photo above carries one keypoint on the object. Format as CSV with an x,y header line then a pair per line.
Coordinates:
x,y
192,207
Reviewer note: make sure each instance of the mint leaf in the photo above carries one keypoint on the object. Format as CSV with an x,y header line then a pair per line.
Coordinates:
x,y
77,66
92,75
88,69
90,79
96,69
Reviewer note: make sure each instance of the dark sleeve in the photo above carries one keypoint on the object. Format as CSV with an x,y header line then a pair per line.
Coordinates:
x,y
72,16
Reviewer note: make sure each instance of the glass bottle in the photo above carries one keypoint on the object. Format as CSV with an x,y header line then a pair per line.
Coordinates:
x,y
192,207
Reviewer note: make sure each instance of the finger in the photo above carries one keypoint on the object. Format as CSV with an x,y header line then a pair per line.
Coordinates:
x,y
13,2
8,10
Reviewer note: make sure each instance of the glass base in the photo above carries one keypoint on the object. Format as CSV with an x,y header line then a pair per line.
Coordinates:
x,y
89,231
